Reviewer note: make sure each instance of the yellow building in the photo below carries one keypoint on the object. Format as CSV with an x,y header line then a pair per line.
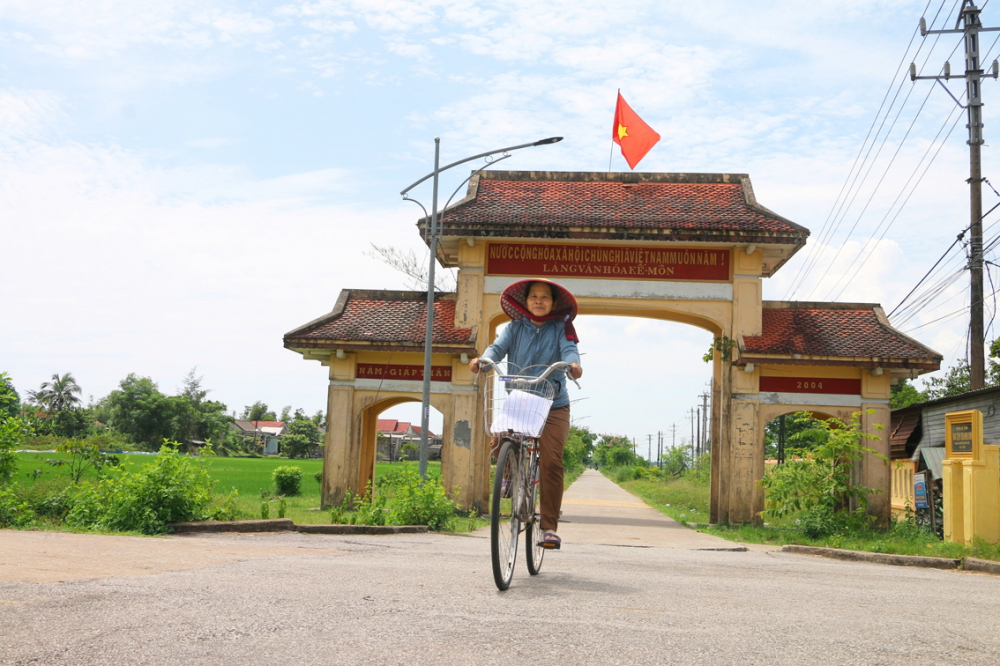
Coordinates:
x,y
689,248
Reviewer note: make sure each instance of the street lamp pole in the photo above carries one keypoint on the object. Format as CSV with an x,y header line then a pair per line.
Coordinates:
x,y
434,226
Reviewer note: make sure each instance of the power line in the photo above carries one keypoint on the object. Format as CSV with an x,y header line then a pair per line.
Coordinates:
x,y
839,212
885,172
903,205
878,113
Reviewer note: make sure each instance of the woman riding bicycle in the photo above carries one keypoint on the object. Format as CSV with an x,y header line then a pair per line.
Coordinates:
x,y
541,334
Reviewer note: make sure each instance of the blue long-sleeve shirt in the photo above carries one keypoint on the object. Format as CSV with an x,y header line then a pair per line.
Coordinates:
x,y
525,344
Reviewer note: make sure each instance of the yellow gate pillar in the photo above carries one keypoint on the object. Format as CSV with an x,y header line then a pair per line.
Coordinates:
x,y
971,481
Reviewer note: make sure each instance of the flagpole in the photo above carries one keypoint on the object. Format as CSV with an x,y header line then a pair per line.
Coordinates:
x,y
611,153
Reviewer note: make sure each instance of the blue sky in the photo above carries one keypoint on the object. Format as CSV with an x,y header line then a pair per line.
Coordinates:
x,y
183,182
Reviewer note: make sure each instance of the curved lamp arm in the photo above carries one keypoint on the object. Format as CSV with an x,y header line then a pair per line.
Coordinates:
x,y
541,142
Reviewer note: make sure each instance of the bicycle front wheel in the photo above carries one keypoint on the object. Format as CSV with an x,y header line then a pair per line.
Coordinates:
x,y
533,534
505,525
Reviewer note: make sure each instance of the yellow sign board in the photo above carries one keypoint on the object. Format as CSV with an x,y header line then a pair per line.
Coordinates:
x,y
963,435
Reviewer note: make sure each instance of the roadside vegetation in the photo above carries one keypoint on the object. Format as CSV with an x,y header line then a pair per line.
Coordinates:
x,y
61,468
807,499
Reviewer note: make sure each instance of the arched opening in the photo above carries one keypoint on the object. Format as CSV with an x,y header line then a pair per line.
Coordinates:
x,y
664,393
785,432
398,436
403,437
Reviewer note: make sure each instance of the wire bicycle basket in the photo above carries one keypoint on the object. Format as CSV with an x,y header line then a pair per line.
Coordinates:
x,y
517,402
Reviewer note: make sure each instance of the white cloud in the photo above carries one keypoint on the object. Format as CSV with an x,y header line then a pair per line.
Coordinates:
x,y
132,269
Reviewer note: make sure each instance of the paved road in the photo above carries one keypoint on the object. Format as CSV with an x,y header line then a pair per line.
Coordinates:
x,y
430,599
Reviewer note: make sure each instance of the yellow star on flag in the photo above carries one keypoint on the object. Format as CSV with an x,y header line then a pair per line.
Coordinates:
x,y
641,137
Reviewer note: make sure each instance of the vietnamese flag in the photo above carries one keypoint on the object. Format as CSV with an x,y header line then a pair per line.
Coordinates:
x,y
630,132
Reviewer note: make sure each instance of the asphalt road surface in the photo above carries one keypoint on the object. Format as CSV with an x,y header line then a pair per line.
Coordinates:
x,y
628,587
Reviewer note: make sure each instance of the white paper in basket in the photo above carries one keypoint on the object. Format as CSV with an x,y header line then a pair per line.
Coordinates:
x,y
523,413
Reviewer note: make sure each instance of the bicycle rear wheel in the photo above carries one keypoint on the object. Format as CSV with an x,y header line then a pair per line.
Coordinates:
x,y
505,525
533,534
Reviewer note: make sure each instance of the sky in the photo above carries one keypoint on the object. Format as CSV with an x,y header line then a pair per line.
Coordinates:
x,y
182,182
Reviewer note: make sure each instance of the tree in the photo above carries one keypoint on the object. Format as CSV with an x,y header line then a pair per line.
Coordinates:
x,y
59,394
13,431
10,401
579,447
614,451
319,418
196,418
191,387
956,382
258,412
302,435
904,394
800,432
286,414
407,263
141,413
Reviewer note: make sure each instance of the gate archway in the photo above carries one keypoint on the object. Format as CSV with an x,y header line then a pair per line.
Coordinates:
x,y
690,248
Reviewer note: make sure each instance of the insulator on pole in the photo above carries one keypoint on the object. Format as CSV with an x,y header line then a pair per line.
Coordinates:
x,y
923,27
913,71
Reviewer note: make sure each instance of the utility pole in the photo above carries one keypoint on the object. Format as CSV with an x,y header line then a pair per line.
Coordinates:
x,y
697,425
673,436
649,449
659,449
693,421
704,423
971,27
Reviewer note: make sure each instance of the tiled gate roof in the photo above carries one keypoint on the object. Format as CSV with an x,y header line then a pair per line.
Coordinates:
x,y
798,331
377,320
664,206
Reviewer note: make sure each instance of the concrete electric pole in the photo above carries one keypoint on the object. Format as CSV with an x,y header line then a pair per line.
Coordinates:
x,y
705,439
971,27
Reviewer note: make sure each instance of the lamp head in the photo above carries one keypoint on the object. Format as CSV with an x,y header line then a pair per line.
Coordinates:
x,y
554,139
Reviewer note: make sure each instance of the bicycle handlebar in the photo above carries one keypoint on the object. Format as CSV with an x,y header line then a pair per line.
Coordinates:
x,y
558,365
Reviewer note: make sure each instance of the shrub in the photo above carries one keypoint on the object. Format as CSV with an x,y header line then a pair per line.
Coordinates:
x,y
318,476
414,503
820,483
172,488
701,471
49,499
83,456
14,512
287,479
399,498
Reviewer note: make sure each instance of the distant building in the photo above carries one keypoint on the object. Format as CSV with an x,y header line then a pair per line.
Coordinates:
x,y
267,434
393,434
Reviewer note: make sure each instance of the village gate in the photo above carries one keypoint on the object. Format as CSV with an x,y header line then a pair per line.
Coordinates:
x,y
688,248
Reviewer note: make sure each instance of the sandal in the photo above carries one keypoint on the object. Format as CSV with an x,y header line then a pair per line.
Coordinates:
x,y
550,541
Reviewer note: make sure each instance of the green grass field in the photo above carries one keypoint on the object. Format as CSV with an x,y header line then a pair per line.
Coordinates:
x,y
250,477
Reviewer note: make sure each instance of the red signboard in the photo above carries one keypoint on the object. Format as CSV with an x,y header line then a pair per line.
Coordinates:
x,y
811,385
607,262
439,373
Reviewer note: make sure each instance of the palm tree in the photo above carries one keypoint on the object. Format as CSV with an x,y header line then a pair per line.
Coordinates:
x,y
59,394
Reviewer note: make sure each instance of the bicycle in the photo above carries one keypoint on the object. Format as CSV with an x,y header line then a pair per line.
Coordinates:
x,y
517,406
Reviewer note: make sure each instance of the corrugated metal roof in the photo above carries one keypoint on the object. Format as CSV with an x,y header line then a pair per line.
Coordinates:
x,y
933,457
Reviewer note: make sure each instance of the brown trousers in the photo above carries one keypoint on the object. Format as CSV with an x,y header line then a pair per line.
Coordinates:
x,y
550,463
550,460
